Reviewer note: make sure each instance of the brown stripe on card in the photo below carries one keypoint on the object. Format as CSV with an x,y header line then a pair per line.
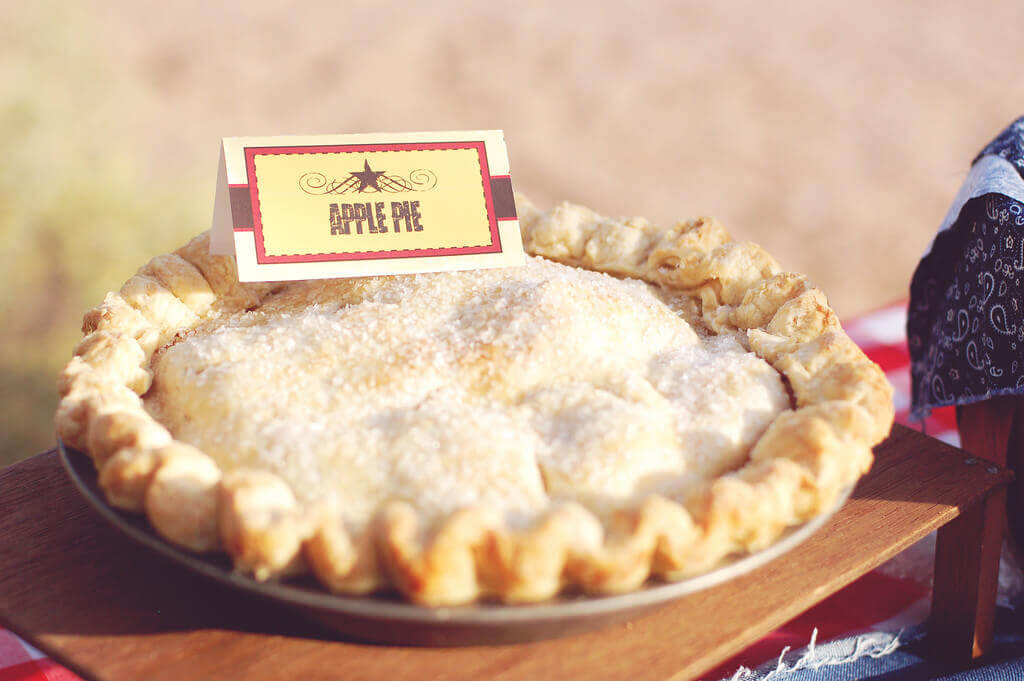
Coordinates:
x,y
504,201
241,207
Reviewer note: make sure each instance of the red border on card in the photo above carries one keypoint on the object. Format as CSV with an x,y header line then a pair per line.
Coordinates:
x,y
261,255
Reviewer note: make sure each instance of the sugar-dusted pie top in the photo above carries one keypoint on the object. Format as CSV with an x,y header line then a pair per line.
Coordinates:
x,y
496,433
507,389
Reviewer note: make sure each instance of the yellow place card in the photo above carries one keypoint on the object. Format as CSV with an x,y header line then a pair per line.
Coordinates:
x,y
313,207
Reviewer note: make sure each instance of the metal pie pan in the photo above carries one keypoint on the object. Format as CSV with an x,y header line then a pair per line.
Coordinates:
x,y
383,618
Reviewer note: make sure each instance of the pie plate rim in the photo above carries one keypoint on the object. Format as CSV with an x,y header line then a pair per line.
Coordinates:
x,y
595,608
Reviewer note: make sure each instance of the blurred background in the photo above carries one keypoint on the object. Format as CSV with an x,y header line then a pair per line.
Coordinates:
x,y
833,134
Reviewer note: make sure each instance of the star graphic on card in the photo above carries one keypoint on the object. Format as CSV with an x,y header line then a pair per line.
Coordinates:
x,y
368,178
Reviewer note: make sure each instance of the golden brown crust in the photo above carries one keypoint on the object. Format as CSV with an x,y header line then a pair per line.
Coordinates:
x,y
116,355
115,314
261,524
183,279
222,276
122,428
125,477
342,564
534,564
161,308
798,467
181,498
89,393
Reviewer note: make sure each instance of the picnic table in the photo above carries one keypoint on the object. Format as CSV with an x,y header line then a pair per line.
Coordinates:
x,y
81,592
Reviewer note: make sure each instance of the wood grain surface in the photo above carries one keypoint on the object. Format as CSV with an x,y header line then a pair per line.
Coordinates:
x,y
113,611
968,549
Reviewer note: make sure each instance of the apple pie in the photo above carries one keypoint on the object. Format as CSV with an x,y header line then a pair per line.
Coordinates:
x,y
634,402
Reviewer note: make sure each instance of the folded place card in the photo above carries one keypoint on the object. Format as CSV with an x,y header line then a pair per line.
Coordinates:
x,y
313,207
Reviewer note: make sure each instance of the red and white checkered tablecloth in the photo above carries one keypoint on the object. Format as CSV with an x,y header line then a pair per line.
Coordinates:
x,y
21,662
874,601
883,336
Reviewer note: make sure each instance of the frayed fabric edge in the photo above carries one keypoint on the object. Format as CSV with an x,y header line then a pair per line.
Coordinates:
x,y
874,645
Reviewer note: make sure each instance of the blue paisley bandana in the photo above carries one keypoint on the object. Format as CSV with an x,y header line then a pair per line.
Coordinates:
x,y
965,324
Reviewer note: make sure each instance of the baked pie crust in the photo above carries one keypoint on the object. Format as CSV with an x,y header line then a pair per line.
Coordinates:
x,y
492,433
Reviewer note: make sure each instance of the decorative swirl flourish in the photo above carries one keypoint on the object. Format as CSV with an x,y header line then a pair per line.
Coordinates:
x,y
423,179
419,180
317,184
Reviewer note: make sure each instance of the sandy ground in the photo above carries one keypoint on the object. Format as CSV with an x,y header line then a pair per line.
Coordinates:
x,y
833,134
